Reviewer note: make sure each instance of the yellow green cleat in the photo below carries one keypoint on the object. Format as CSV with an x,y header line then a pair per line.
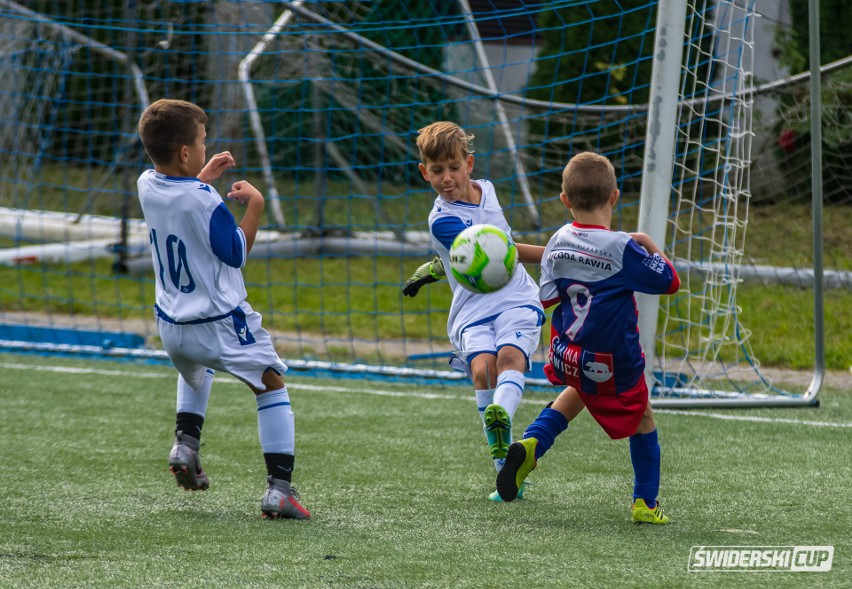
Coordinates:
x,y
498,430
642,514
520,461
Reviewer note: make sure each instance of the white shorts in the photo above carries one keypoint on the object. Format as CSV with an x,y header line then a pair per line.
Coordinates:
x,y
519,327
236,344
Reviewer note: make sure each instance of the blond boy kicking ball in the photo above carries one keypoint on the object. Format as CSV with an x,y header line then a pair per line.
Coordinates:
x,y
494,334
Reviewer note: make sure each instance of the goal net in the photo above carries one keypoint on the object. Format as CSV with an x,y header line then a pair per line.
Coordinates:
x,y
320,103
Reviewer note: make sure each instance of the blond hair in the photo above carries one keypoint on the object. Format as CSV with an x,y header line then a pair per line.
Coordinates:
x,y
443,140
588,181
167,125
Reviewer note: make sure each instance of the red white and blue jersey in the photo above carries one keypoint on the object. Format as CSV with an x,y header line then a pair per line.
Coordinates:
x,y
592,273
197,248
446,221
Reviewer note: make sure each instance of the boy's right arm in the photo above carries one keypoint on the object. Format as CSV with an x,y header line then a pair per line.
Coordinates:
x,y
248,195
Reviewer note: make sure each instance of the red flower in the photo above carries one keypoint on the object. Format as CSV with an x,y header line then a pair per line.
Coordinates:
x,y
787,140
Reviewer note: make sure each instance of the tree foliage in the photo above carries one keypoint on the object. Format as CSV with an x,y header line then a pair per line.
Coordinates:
x,y
835,21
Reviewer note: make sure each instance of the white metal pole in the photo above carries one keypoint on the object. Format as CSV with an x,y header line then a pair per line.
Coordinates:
x,y
659,153
501,112
244,75
816,200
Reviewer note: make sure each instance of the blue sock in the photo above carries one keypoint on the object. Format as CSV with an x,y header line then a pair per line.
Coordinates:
x,y
549,424
645,456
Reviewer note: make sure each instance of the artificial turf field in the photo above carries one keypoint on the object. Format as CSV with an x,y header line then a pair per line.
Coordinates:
x,y
396,475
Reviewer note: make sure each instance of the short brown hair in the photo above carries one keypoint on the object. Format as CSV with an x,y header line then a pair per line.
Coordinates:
x,y
167,125
443,140
588,181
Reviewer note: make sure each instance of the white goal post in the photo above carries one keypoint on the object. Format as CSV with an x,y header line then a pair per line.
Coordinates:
x,y
670,123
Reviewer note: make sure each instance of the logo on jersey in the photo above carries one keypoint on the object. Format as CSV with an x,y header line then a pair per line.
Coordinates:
x,y
579,258
584,370
597,371
655,263
241,328
519,335
468,222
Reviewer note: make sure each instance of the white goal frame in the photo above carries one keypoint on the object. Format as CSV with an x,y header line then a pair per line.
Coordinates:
x,y
658,167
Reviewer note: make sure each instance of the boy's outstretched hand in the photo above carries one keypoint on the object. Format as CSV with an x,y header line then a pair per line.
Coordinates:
x,y
430,272
243,192
216,167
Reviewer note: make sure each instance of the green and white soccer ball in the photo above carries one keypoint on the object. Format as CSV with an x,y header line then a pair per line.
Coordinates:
x,y
483,258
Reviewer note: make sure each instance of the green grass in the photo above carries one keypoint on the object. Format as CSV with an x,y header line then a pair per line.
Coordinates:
x,y
397,485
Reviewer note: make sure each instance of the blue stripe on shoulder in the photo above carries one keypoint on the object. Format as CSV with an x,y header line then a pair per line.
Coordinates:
x,y
226,239
445,230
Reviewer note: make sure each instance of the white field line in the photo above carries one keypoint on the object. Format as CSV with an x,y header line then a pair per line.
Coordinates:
x,y
413,394
751,418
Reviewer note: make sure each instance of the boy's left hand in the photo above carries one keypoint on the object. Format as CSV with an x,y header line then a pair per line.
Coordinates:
x,y
243,192
216,167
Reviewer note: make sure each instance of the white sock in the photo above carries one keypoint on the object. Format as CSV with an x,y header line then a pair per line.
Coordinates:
x,y
484,398
191,400
510,389
276,423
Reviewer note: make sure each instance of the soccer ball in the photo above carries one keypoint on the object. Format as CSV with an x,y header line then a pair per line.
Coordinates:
x,y
483,258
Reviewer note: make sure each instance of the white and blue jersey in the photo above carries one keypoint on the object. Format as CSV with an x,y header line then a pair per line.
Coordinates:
x,y
468,309
202,315
592,273
197,248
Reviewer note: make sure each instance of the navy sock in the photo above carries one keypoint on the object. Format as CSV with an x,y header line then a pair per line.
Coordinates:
x,y
280,466
190,424
549,424
645,456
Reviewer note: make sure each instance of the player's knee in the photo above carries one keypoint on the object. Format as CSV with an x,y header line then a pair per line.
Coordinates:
x,y
272,381
480,378
511,358
482,372
647,425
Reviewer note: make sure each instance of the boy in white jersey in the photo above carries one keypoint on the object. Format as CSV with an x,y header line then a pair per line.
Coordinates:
x,y
204,321
493,335
592,273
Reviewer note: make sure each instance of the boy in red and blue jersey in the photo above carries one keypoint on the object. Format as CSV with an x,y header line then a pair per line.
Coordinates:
x,y
592,272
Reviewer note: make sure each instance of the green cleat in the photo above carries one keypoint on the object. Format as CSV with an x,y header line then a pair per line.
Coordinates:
x,y
520,461
495,496
642,514
498,430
